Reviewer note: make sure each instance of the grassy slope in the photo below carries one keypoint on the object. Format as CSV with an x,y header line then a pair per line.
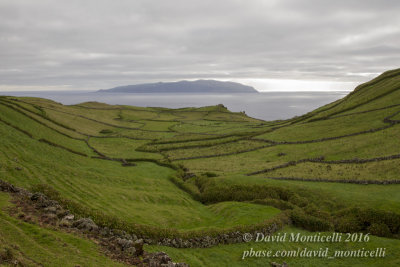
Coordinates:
x,y
31,244
122,148
40,131
380,87
141,194
329,128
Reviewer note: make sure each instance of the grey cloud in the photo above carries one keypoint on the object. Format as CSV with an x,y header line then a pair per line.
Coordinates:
x,y
100,44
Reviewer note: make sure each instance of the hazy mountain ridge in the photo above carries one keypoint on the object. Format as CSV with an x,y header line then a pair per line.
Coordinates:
x,y
198,86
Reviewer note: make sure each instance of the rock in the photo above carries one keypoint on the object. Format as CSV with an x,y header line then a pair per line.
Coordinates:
x,y
47,203
124,243
172,264
61,213
65,223
163,257
138,245
6,187
127,236
18,168
130,251
174,243
85,224
49,218
159,259
43,201
38,196
118,232
134,237
105,232
51,209
186,244
69,217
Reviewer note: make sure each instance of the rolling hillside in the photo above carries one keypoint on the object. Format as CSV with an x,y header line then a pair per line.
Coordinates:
x,y
177,176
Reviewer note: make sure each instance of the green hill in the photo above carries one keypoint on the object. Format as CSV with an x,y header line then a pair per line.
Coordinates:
x,y
196,172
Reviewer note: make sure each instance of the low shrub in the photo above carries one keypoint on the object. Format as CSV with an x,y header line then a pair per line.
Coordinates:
x,y
276,203
210,174
315,211
348,225
298,200
383,223
301,219
212,192
221,193
379,229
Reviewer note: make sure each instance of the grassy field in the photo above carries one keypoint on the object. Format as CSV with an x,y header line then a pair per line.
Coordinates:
x,y
381,170
122,148
206,170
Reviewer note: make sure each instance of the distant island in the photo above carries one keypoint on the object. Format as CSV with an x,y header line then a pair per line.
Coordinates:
x,y
199,86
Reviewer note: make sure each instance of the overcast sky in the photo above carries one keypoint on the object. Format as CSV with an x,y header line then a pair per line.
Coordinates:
x,y
271,44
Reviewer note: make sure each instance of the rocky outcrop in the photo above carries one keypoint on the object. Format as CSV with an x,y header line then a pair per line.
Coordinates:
x,y
7,187
85,224
161,259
